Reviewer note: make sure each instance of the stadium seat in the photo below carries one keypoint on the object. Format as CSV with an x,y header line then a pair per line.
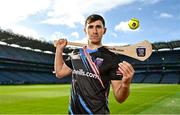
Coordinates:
x,y
171,78
153,78
138,77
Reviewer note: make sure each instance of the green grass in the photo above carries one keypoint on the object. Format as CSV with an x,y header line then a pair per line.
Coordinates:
x,y
54,99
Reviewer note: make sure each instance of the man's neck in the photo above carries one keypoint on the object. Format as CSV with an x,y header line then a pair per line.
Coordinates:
x,y
93,46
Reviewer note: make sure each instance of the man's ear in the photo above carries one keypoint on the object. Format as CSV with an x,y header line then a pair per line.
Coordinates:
x,y
105,30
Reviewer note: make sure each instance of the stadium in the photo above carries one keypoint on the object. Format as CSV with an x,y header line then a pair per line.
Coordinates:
x,y
28,85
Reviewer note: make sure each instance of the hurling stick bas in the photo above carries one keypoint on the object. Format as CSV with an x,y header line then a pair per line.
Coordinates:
x,y
140,51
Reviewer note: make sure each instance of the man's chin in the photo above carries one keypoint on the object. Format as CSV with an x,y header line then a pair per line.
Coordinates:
x,y
95,42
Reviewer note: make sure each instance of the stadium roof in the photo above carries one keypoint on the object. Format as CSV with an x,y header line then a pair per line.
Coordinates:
x,y
168,45
11,38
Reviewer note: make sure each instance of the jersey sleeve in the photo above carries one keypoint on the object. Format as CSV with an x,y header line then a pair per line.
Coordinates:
x,y
110,65
68,62
114,72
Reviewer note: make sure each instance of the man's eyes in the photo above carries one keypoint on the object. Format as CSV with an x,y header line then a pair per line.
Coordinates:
x,y
90,27
98,27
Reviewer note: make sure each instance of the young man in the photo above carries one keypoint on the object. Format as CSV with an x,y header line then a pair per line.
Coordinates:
x,y
93,69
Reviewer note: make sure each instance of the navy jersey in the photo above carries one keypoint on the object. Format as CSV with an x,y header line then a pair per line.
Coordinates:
x,y
92,72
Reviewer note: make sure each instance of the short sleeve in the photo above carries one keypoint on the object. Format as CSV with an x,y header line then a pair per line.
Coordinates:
x,y
114,72
68,62
109,68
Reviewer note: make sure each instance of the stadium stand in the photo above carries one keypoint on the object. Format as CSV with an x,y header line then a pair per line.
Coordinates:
x,y
22,65
153,77
25,66
19,70
161,67
170,77
139,77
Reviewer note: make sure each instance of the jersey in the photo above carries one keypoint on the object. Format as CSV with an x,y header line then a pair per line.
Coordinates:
x,y
92,72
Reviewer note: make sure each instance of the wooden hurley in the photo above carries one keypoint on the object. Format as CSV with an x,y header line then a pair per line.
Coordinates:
x,y
140,51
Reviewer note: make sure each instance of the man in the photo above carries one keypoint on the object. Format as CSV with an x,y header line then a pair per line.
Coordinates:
x,y
93,68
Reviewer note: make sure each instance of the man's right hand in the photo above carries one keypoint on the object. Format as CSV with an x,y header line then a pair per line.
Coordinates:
x,y
60,43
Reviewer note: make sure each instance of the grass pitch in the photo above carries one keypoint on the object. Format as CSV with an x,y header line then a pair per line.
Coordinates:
x,y
54,99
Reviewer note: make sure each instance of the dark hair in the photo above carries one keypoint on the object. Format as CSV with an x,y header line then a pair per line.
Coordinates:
x,y
93,18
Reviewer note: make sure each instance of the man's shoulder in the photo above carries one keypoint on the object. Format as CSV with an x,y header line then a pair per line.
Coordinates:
x,y
107,51
75,51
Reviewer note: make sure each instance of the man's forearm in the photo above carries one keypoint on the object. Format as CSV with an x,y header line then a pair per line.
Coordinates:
x,y
59,61
122,93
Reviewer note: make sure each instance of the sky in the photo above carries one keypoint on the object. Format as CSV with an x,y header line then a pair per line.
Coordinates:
x,y
49,20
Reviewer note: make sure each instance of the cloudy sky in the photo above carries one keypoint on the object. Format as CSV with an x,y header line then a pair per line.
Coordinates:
x,y
52,19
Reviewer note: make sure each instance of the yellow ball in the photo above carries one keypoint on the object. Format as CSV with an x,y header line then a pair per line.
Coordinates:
x,y
133,23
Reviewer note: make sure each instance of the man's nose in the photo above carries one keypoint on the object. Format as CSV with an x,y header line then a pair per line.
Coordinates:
x,y
94,30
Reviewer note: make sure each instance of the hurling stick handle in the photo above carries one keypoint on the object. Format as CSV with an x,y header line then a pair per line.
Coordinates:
x,y
115,48
76,44
71,43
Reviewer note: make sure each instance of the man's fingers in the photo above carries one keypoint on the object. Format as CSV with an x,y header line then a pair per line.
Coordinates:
x,y
62,42
126,68
55,43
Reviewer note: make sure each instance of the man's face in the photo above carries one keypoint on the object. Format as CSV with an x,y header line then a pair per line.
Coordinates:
x,y
95,31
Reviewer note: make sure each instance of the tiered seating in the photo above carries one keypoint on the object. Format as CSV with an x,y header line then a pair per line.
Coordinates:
x,y
21,66
161,67
22,77
152,78
24,55
138,77
171,77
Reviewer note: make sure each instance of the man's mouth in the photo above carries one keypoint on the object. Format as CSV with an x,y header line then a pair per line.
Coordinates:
x,y
94,36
